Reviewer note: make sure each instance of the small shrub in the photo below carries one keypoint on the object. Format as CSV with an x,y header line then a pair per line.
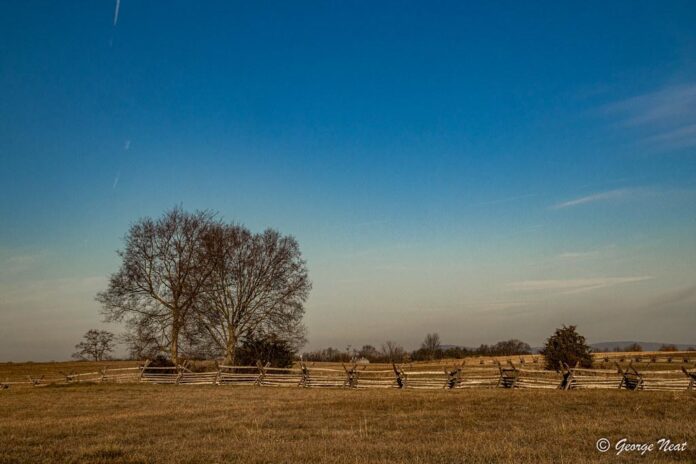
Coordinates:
x,y
267,349
160,361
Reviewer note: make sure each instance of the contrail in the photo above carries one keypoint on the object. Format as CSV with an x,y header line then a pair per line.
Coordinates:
x,y
118,5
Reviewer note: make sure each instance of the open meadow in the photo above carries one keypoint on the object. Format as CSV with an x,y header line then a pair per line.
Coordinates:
x,y
146,423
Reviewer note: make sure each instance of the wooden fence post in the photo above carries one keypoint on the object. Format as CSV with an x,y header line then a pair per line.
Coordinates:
x,y
453,378
568,375
216,379
630,380
142,370
351,376
516,374
400,376
262,372
180,374
508,375
34,381
304,379
639,377
622,375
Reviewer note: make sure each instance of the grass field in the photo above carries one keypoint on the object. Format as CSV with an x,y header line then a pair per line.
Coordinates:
x,y
135,423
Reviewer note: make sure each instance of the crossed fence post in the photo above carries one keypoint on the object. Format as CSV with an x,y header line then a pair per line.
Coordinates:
x,y
351,376
35,382
69,377
453,377
179,373
262,372
508,375
630,380
142,370
568,376
400,376
304,379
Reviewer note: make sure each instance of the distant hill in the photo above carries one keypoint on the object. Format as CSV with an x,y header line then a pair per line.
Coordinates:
x,y
647,346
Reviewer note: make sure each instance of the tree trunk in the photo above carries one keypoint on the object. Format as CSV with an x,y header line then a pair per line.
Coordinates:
x,y
174,344
231,347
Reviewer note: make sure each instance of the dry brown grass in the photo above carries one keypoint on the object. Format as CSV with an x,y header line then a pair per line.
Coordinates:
x,y
135,423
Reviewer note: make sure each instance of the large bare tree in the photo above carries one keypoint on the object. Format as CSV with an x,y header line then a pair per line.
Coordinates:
x,y
163,271
96,345
258,286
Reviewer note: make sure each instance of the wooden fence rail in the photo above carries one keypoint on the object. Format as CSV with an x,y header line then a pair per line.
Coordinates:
x,y
356,376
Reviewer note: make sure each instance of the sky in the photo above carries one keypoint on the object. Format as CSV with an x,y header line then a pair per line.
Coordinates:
x,y
485,170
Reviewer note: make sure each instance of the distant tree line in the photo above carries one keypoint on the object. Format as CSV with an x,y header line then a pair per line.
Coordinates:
x,y
636,347
431,349
565,347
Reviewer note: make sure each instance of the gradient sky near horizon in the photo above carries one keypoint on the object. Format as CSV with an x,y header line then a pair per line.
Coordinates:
x,y
483,170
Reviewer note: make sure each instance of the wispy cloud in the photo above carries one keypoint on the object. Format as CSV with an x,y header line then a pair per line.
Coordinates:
x,y
685,295
600,196
666,118
482,306
678,138
118,7
116,179
569,286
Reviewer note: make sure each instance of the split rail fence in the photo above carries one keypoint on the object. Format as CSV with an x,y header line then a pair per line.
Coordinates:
x,y
361,376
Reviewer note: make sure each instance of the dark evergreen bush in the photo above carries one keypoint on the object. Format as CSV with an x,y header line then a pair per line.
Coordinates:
x,y
567,346
267,349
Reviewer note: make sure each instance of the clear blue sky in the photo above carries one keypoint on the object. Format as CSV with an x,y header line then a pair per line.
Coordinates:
x,y
483,170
